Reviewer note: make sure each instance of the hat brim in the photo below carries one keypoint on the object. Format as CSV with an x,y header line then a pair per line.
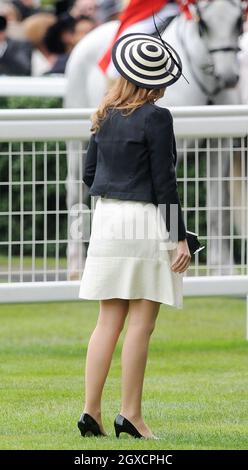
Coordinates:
x,y
142,69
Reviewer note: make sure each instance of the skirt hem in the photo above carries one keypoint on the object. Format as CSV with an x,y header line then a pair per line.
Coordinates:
x,y
179,307
131,278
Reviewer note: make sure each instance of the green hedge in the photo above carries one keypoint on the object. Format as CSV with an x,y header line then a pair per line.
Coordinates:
x,y
22,102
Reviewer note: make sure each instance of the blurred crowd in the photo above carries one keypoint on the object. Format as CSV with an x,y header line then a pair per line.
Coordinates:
x,y
36,38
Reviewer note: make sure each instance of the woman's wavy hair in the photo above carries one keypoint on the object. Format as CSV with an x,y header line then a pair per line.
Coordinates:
x,y
124,95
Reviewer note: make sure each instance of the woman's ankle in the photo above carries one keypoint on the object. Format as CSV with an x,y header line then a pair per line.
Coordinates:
x,y
131,416
95,413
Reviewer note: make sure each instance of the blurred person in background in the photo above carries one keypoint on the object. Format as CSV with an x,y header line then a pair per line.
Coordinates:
x,y
84,7
59,40
59,37
8,10
27,8
62,37
13,17
35,28
15,55
83,25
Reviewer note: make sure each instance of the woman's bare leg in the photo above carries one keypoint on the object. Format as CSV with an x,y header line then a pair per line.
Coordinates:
x,y
142,319
101,346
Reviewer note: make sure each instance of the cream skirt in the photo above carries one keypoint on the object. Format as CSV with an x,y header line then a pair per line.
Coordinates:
x,y
129,255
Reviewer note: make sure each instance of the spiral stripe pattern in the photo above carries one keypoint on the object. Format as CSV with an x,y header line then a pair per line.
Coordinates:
x,y
145,61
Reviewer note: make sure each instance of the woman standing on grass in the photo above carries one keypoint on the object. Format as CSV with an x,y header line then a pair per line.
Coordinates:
x,y
130,267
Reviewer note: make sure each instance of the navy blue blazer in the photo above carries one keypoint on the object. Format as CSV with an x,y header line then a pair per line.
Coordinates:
x,y
134,157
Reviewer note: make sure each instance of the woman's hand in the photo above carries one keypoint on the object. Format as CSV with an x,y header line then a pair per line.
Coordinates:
x,y
183,258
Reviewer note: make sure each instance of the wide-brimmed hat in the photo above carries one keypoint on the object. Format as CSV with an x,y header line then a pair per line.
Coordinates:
x,y
146,61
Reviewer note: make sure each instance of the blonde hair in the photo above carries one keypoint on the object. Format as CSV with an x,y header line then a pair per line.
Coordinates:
x,y
124,95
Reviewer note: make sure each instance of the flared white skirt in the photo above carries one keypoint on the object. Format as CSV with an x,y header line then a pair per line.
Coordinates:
x,y
129,255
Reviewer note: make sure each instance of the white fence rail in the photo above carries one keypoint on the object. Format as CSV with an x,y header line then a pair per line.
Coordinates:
x,y
38,147
189,122
54,86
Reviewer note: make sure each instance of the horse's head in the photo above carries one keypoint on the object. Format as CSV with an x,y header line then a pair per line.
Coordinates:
x,y
220,24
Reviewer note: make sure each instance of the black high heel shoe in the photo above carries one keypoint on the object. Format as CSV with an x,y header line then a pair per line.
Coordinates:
x,y
88,426
122,424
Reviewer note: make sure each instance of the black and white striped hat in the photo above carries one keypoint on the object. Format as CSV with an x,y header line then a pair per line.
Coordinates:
x,y
146,61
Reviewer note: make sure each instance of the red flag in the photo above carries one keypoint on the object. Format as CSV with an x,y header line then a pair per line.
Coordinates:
x,y
137,10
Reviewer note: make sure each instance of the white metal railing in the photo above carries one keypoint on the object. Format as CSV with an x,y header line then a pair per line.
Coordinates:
x,y
37,145
190,121
53,86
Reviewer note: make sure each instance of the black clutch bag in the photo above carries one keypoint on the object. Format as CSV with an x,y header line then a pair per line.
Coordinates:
x,y
193,242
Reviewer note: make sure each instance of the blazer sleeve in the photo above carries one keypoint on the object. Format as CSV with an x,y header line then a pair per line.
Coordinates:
x,y
90,161
163,157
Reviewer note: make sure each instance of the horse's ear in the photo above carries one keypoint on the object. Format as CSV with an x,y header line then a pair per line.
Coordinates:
x,y
201,26
240,25
201,23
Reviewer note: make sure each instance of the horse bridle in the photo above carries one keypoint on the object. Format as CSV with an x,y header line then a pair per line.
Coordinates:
x,y
218,88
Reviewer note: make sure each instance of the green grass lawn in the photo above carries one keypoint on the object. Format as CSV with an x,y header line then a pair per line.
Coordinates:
x,y
195,391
